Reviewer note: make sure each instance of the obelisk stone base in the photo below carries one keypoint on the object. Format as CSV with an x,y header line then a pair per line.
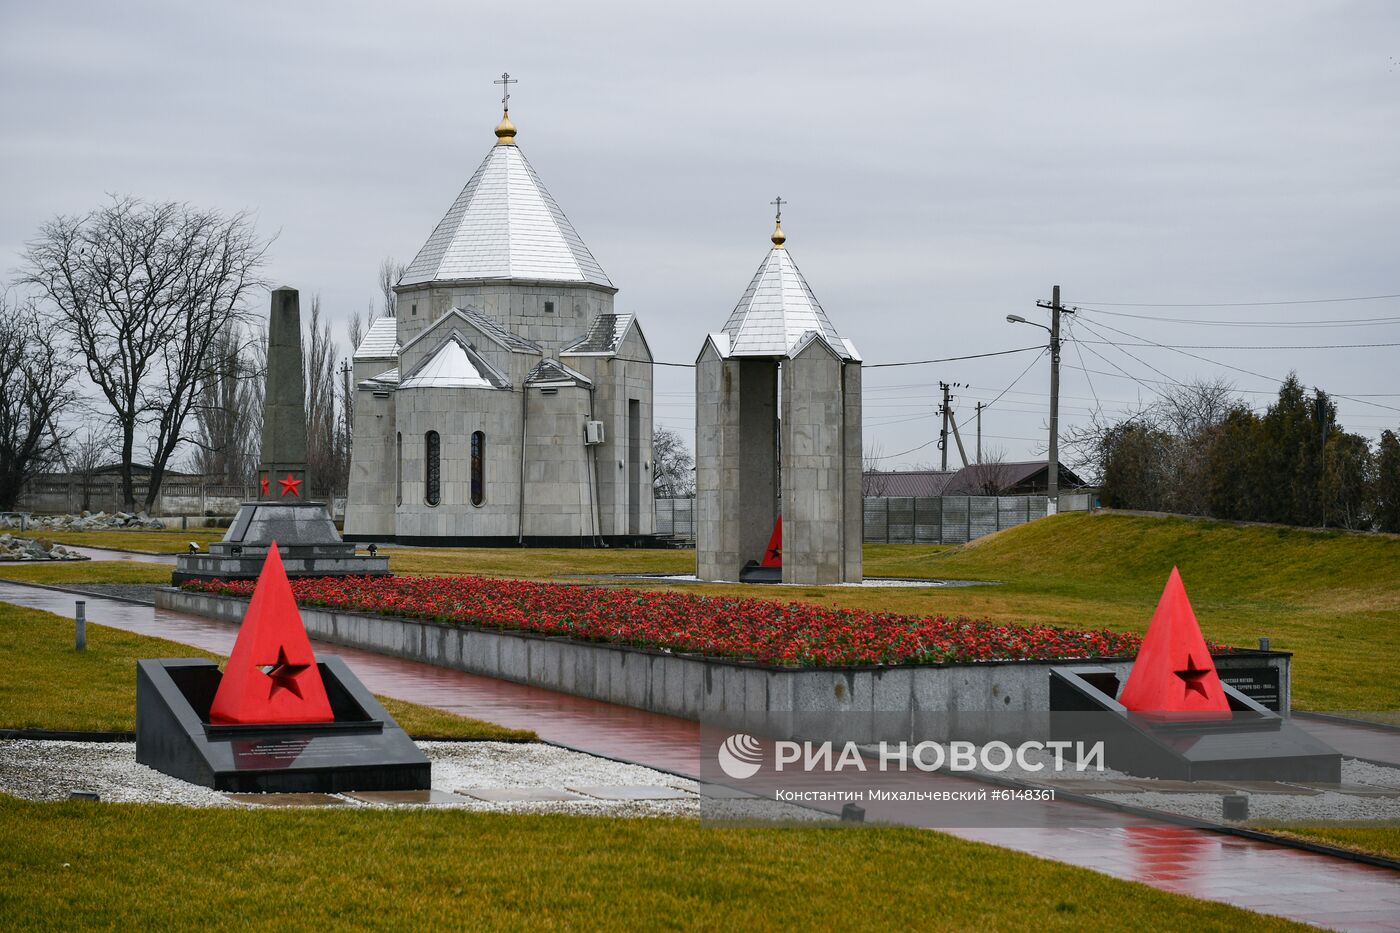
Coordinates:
x,y
306,537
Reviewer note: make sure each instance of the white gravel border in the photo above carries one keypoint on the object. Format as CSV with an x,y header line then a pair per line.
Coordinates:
x,y
45,770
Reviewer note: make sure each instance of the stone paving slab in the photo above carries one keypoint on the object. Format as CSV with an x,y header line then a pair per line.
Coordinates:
x,y
414,798
629,792
517,794
1271,787
290,800
1087,786
1178,787
1356,790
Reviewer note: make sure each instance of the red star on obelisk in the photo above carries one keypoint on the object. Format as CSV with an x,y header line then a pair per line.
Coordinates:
x,y
290,485
262,483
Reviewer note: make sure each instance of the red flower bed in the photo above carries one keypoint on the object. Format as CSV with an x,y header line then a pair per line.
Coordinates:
x,y
787,634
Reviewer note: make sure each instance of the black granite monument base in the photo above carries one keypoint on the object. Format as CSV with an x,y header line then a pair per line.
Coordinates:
x,y
363,749
1253,743
306,537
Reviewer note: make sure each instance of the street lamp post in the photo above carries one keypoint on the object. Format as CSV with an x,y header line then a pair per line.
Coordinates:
x,y
1053,465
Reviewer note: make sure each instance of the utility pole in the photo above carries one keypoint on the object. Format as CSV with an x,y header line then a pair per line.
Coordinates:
x,y
1056,309
943,434
980,406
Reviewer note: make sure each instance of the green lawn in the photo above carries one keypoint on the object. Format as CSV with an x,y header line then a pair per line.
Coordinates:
x,y
46,684
70,866
144,540
85,571
1375,840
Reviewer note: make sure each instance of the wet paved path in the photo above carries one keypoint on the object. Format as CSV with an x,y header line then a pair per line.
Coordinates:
x,y
1272,879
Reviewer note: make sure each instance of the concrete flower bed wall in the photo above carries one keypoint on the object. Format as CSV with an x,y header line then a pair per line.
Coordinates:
x,y
690,686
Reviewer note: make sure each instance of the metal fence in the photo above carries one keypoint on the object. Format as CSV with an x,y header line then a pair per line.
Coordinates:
x,y
900,520
676,518
946,519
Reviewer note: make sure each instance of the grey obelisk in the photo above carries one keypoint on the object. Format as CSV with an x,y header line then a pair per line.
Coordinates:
x,y
305,533
282,475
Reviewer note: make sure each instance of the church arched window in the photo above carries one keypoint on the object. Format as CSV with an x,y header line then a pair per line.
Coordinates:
x,y
432,468
478,468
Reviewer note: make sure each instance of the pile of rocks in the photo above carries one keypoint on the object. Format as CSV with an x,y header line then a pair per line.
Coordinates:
x,y
88,521
13,548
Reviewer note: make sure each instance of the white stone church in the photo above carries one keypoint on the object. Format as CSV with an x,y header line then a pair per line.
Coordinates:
x,y
507,401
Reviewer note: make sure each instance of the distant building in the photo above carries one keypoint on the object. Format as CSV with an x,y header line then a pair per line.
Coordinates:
x,y
1019,478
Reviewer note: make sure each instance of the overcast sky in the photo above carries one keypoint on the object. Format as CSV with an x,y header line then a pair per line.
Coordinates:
x,y
944,164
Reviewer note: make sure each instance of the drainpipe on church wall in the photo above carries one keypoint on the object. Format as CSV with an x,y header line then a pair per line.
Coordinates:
x,y
524,423
590,453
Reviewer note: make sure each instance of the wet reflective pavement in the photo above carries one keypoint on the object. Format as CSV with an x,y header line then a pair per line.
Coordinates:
x,y
1273,879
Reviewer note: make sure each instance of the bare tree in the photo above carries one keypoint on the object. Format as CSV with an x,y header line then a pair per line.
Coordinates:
x,y
88,450
326,459
229,408
992,476
36,388
142,291
672,466
390,272
873,480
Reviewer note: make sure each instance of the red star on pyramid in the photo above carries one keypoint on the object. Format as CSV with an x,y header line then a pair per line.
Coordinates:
x,y
290,485
1159,682
271,675
262,482
284,675
1191,677
773,554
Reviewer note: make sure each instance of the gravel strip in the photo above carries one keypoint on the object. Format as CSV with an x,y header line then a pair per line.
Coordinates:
x,y
42,770
139,592
51,770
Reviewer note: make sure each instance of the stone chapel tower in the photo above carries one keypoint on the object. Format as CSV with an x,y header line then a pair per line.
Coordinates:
x,y
778,431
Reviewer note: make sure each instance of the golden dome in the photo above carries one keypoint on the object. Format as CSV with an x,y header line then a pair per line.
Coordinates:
x,y
505,131
779,238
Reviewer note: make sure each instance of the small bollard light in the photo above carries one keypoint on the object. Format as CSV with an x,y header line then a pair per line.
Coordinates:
x,y
83,795
194,547
1235,807
1264,643
80,625
851,813
373,549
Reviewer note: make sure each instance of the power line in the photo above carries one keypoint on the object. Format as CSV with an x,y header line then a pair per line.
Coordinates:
x,y
953,359
1342,322
945,359
1203,359
1043,351
1236,304
1232,346
1098,406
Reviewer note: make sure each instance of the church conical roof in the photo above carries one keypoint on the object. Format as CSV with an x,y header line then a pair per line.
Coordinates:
x,y
776,310
505,225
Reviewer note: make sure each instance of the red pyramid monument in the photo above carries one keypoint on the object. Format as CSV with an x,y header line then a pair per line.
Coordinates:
x,y
773,555
272,675
1174,672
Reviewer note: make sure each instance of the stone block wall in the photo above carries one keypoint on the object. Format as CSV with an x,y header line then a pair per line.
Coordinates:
x,y
519,306
372,496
